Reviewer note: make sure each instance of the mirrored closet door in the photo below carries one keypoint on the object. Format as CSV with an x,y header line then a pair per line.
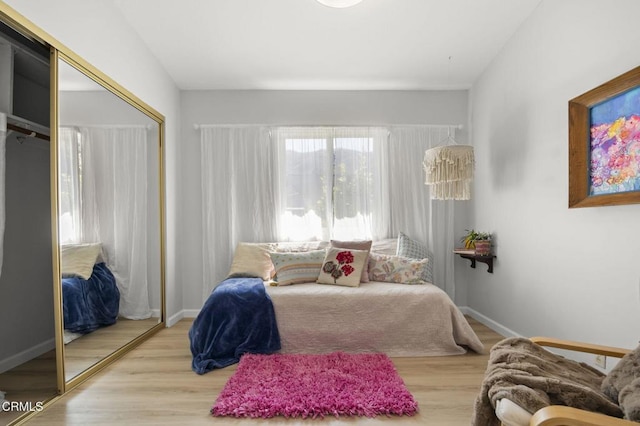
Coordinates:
x,y
109,219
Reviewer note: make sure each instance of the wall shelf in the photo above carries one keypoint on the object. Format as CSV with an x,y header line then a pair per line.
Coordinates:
x,y
488,260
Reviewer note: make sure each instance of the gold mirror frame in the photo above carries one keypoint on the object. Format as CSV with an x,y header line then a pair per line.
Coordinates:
x,y
89,71
58,51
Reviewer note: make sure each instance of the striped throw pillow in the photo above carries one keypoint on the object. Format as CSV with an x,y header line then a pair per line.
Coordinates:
x,y
297,267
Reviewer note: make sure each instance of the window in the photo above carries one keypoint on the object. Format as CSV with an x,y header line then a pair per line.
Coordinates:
x,y
333,182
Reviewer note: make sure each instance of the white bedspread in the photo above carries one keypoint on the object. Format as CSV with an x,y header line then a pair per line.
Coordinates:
x,y
396,319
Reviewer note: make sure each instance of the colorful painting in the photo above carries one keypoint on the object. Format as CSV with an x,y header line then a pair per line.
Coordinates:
x,y
615,144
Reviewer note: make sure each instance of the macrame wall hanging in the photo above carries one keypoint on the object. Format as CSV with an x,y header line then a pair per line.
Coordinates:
x,y
449,171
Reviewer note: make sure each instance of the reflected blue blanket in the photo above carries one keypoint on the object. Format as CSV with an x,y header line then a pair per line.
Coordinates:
x,y
90,304
237,318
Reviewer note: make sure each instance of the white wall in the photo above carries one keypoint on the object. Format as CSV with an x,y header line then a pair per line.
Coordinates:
x,y
284,108
26,289
96,31
26,281
561,272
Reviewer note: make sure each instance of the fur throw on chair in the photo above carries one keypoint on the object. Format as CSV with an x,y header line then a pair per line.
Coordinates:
x,y
622,385
533,378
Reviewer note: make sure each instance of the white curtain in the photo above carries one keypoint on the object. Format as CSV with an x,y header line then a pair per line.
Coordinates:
x,y
3,163
114,208
312,183
240,197
412,210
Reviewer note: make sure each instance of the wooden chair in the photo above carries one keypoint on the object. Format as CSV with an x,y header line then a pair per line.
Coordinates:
x,y
557,415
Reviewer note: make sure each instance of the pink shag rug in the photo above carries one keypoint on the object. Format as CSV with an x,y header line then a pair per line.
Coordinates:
x,y
337,384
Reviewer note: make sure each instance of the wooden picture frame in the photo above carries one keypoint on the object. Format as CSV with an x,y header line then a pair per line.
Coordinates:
x,y
604,144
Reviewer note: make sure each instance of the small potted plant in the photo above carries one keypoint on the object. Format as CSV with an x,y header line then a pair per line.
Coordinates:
x,y
480,241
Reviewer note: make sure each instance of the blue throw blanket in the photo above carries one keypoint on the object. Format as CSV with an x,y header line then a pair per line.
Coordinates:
x,y
90,304
237,318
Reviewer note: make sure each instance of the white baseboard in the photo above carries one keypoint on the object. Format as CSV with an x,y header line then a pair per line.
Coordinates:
x,y
173,319
185,313
191,313
27,355
507,332
494,325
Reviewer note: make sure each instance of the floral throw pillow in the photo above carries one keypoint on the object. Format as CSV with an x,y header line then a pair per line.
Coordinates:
x,y
396,269
343,267
356,245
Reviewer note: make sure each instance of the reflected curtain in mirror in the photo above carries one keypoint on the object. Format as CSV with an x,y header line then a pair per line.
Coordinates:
x,y
103,186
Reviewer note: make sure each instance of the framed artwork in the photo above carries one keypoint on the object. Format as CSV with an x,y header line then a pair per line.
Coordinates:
x,y
604,144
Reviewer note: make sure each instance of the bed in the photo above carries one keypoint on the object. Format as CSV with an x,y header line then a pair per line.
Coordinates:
x,y
399,320
397,313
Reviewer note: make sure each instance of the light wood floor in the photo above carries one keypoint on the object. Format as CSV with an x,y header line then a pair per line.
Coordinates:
x,y
154,385
34,381
85,351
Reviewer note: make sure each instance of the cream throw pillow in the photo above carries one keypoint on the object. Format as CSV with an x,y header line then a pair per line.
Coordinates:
x,y
388,246
77,260
252,260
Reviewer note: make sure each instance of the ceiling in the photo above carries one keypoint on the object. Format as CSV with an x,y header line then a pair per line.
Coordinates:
x,y
303,45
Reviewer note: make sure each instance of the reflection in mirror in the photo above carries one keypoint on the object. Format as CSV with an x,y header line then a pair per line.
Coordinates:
x,y
27,333
109,220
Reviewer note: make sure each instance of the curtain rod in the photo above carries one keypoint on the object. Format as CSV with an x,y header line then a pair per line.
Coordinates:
x,y
443,126
28,132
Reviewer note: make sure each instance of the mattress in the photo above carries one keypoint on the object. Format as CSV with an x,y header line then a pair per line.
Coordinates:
x,y
397,319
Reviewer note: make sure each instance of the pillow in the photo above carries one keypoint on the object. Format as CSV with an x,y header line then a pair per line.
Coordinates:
x,y
252,260
396,269
297,267
388,246
77,260
408,247
356,245
342,267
